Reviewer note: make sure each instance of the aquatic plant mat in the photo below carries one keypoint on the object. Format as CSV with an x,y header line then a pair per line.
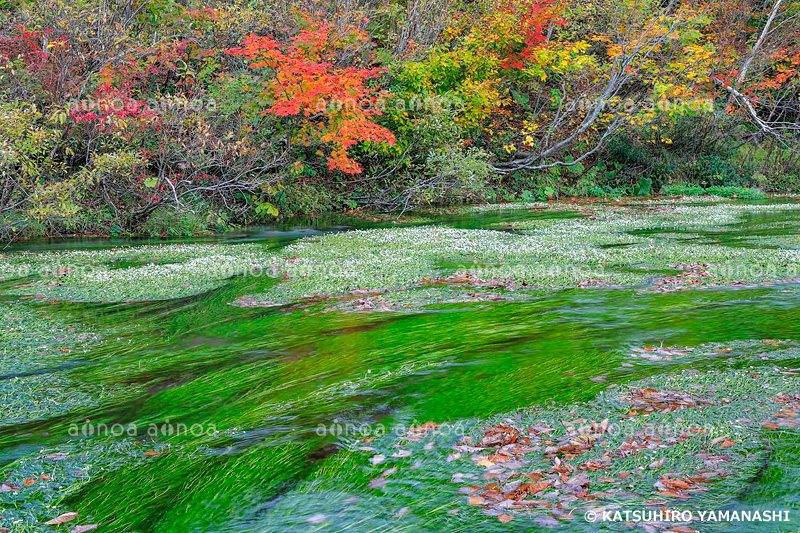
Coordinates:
x,y
525,367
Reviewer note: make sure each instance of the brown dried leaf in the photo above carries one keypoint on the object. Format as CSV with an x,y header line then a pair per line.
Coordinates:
x,y
673,494
498,436
83,528
505,518
473,499
62,519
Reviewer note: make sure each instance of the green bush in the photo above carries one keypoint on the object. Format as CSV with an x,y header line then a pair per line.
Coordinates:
x,y
454,175
166,221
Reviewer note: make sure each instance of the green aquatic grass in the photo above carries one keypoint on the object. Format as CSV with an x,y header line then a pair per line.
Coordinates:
x,y
287,373
374,486
616,245
132,273
54,474
601,249
573,205
33,341
269,378
39,397
37,352
211,489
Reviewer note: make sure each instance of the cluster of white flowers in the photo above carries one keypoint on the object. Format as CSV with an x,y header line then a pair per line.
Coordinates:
x,y
136,273
546,252
619,245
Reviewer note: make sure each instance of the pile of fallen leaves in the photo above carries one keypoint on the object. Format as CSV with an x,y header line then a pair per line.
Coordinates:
x,y
649,400
682,487
465,278
692,275
788,417
515,481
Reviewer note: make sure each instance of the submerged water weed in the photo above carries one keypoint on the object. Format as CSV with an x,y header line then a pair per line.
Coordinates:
x,y
34,486
44,396
601,249
132,273
37,352
580,204
605,247
686,442
31,341
732,353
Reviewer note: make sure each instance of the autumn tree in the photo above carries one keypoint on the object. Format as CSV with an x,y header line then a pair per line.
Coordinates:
x,y
328,103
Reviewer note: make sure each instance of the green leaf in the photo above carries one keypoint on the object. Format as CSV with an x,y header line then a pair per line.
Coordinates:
x,y
520,98
266,208
577,168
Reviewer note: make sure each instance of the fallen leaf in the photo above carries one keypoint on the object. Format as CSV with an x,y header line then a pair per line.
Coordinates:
x,y
675,483
498,436
673,494
505,518
9,487
62,519
424,427
402,512
28,481
475,500
84,528
316,518
55,456
657,464
378,483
